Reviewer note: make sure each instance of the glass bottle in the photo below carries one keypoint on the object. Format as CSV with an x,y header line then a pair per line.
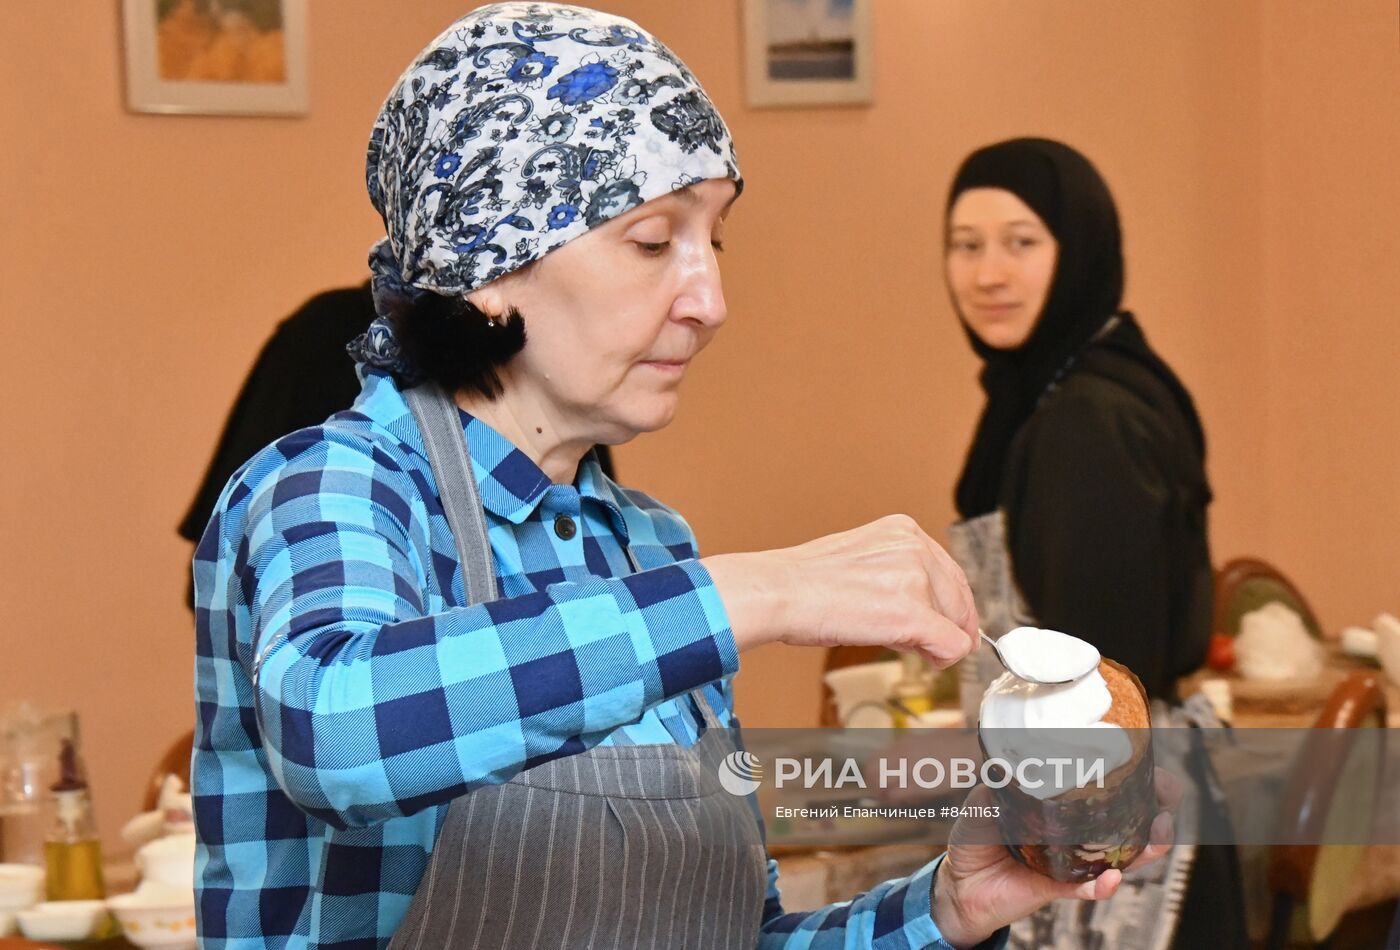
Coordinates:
x,y
912,692
30,739
73,852
23,793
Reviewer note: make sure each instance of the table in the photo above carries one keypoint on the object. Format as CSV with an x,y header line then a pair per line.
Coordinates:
x,y
813,877
20,943
120,876
1294,706
1295,703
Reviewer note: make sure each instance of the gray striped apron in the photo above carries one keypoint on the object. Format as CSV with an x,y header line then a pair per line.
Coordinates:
x,y
620,846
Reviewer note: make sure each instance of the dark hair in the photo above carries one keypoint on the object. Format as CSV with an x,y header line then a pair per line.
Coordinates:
x,y
455,344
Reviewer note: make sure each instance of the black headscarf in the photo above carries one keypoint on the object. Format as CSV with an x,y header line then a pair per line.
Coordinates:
x,y
1065,190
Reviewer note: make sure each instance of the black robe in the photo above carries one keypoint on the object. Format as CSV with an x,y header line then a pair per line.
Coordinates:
x,y
1105,497
300,378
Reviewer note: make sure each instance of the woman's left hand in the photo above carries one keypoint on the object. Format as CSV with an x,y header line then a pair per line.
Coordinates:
x,y
981,888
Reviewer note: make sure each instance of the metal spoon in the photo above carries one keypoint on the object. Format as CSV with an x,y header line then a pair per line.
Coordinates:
x,y
1001,657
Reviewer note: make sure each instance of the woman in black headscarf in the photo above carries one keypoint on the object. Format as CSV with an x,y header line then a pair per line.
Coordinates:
x,y
1083,498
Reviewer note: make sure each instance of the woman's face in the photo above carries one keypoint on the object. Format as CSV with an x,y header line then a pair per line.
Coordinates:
x,y
614,317
1000,264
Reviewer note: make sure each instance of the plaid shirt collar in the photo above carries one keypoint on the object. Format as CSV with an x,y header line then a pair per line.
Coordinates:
x,y
511,484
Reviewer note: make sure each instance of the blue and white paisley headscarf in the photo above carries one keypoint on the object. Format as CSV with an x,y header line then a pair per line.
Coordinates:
x,y
515,131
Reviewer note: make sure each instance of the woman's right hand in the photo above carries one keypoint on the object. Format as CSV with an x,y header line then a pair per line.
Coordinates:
x,y
886,583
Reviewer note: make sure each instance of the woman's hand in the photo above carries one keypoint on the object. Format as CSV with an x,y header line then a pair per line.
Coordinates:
x,y
886,583
981,888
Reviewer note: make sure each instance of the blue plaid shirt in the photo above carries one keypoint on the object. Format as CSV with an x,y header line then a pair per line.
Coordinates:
x,y
344,698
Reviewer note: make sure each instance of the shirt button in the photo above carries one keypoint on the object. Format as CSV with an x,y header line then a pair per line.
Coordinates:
x,y
564,527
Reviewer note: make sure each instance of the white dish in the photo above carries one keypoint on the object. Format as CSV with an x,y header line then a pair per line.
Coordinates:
x,y
168,860
63,920
1358,641
156,894
1218,693
156,917
941,719
861,691
1388,646
868,716
7,923
21,886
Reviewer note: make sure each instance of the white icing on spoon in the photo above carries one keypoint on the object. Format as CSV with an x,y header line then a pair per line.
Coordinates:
x,y
1051,702
1047,657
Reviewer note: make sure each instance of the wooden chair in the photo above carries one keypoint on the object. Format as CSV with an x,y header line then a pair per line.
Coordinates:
x,y
1311,884
176,761
1246,584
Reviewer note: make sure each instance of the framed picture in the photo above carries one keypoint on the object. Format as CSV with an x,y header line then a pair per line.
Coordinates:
x,y
219,57
808,52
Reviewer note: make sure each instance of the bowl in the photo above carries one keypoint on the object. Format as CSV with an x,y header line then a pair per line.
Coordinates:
x,y
860,693
63,920
940,719
1388,646
156,917
21,886
168,860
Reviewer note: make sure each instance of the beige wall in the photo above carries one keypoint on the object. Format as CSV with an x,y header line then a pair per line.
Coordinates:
x,y
1331,241
146,258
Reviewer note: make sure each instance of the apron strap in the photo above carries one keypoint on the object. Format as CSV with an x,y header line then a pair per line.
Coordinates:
x,y
703,709
451,462
450,459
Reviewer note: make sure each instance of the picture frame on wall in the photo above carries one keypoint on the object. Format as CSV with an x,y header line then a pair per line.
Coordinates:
x,y
216,57
808,52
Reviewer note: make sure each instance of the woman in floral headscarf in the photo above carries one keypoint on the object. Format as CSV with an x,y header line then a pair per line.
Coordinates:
x,y
457,687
